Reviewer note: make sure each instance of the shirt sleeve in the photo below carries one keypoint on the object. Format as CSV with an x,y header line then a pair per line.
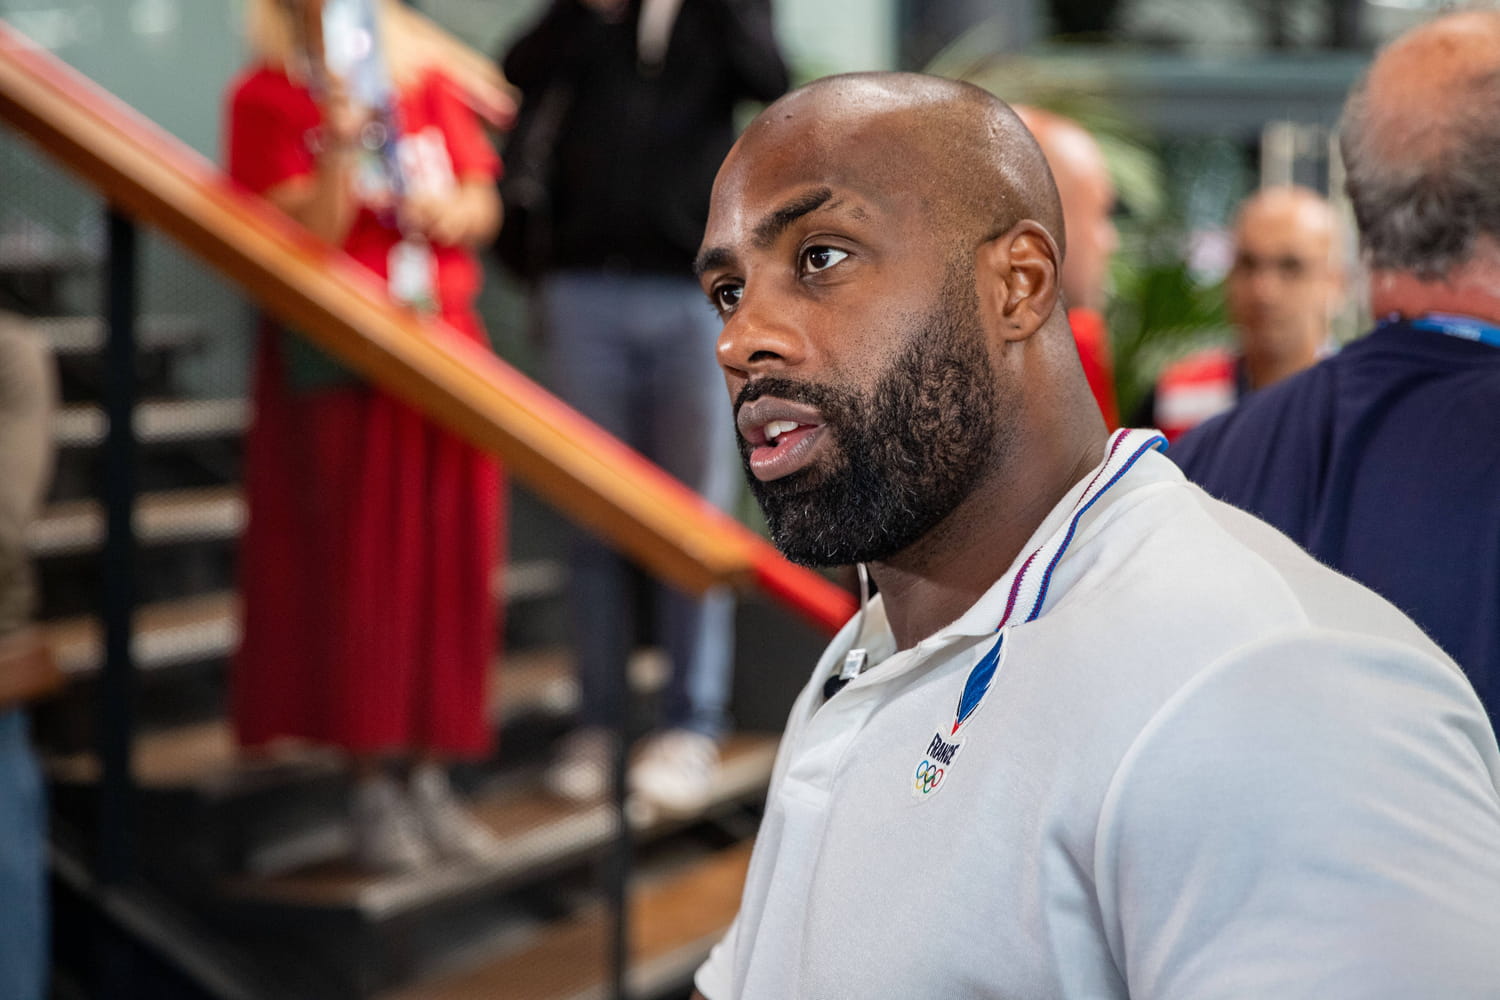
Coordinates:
x,y
269,120
1317,816
468,147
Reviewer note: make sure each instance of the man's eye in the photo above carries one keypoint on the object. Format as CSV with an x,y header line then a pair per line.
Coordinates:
x,y
726,297
821,258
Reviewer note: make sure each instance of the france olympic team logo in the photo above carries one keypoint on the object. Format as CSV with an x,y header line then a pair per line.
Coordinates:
x,y
937,760
1027,599
929,776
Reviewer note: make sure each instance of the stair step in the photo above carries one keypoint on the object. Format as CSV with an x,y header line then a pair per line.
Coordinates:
x,y
191,629
172,516
156,422
673,925
38,251
82,335
203,756
168,633
537,832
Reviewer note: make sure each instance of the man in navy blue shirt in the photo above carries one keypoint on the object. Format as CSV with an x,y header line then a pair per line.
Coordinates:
x,y
1384,460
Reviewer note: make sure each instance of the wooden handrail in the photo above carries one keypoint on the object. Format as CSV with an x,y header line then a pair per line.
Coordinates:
x,y
573,464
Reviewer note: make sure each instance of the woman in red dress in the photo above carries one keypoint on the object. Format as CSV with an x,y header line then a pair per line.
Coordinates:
x,y
368,560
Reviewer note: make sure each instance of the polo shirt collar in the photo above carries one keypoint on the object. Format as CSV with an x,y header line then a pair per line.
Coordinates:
x,y
1111,479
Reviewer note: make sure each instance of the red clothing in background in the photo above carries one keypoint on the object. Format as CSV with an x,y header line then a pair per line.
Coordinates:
x,y
366,566
1098,367
1199,386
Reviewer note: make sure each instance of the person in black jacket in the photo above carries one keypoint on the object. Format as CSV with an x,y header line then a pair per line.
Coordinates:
x,y
649,90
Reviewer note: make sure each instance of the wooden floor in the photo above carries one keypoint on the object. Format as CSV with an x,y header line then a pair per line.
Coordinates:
x,y
673,925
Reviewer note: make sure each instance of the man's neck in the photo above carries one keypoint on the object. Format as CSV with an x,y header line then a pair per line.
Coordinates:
x,y
1473,289
932,583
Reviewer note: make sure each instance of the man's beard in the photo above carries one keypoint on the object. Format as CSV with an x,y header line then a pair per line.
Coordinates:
x,y
906,455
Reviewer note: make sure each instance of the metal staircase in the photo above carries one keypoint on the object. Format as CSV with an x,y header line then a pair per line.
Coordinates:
x,y
242,884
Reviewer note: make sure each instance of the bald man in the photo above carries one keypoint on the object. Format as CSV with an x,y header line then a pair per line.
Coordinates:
x,y
1088,203
1285,286
1384,460
1099,735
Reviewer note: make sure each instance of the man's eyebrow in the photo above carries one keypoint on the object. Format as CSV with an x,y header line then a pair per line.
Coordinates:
x,y
775,224
766,231
711,258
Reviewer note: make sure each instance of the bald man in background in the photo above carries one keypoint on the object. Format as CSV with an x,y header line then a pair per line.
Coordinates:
x,y
1099,735
1384,460
1287,282
1090,239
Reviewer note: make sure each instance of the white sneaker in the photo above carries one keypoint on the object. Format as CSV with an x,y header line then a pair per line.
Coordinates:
x,y
675,771
580,771
451,831
386,833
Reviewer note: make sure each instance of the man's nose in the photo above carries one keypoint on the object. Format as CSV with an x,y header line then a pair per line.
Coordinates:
x,y
760,337
1265,282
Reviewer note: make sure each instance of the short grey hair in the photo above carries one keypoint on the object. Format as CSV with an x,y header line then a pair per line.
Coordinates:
x,y
1421,212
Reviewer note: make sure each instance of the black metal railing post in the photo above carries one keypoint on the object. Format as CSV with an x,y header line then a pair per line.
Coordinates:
x,y
617,865
115,715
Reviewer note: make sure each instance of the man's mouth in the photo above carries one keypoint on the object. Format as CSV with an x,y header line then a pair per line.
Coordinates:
x,y
784,437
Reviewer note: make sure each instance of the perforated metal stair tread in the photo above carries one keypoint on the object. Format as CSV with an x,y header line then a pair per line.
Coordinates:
x,y
167,633
203,755
41,252
533,828
156,422
70,335
673,923
202,514
204,626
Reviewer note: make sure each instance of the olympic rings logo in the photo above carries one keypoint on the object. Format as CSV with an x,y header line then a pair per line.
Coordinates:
x,y
929,776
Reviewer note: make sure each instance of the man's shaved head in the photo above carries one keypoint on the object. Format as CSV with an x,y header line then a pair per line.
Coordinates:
x,y
883,250
1286,282
1310,210
1421,142
959,147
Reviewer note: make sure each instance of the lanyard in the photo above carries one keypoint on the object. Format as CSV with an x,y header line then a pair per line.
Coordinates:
x,y
1463,327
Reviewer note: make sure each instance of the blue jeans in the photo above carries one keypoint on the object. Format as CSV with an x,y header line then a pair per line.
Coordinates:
x,y
635,354
23,865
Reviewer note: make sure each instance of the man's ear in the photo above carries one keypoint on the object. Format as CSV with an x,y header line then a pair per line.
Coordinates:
x,y
1018,275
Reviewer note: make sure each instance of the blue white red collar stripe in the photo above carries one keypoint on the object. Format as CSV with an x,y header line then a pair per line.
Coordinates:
x,y
1028,592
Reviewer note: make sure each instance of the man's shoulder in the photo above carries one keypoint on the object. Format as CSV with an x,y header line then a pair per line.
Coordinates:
x,y
1203,576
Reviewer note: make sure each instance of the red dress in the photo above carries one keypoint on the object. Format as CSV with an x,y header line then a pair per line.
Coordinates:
x,y
366,565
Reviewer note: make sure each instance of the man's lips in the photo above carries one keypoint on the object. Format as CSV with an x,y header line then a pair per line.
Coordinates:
x,y
784,436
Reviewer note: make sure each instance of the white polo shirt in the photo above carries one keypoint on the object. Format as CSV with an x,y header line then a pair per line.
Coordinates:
x,y
1207,767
